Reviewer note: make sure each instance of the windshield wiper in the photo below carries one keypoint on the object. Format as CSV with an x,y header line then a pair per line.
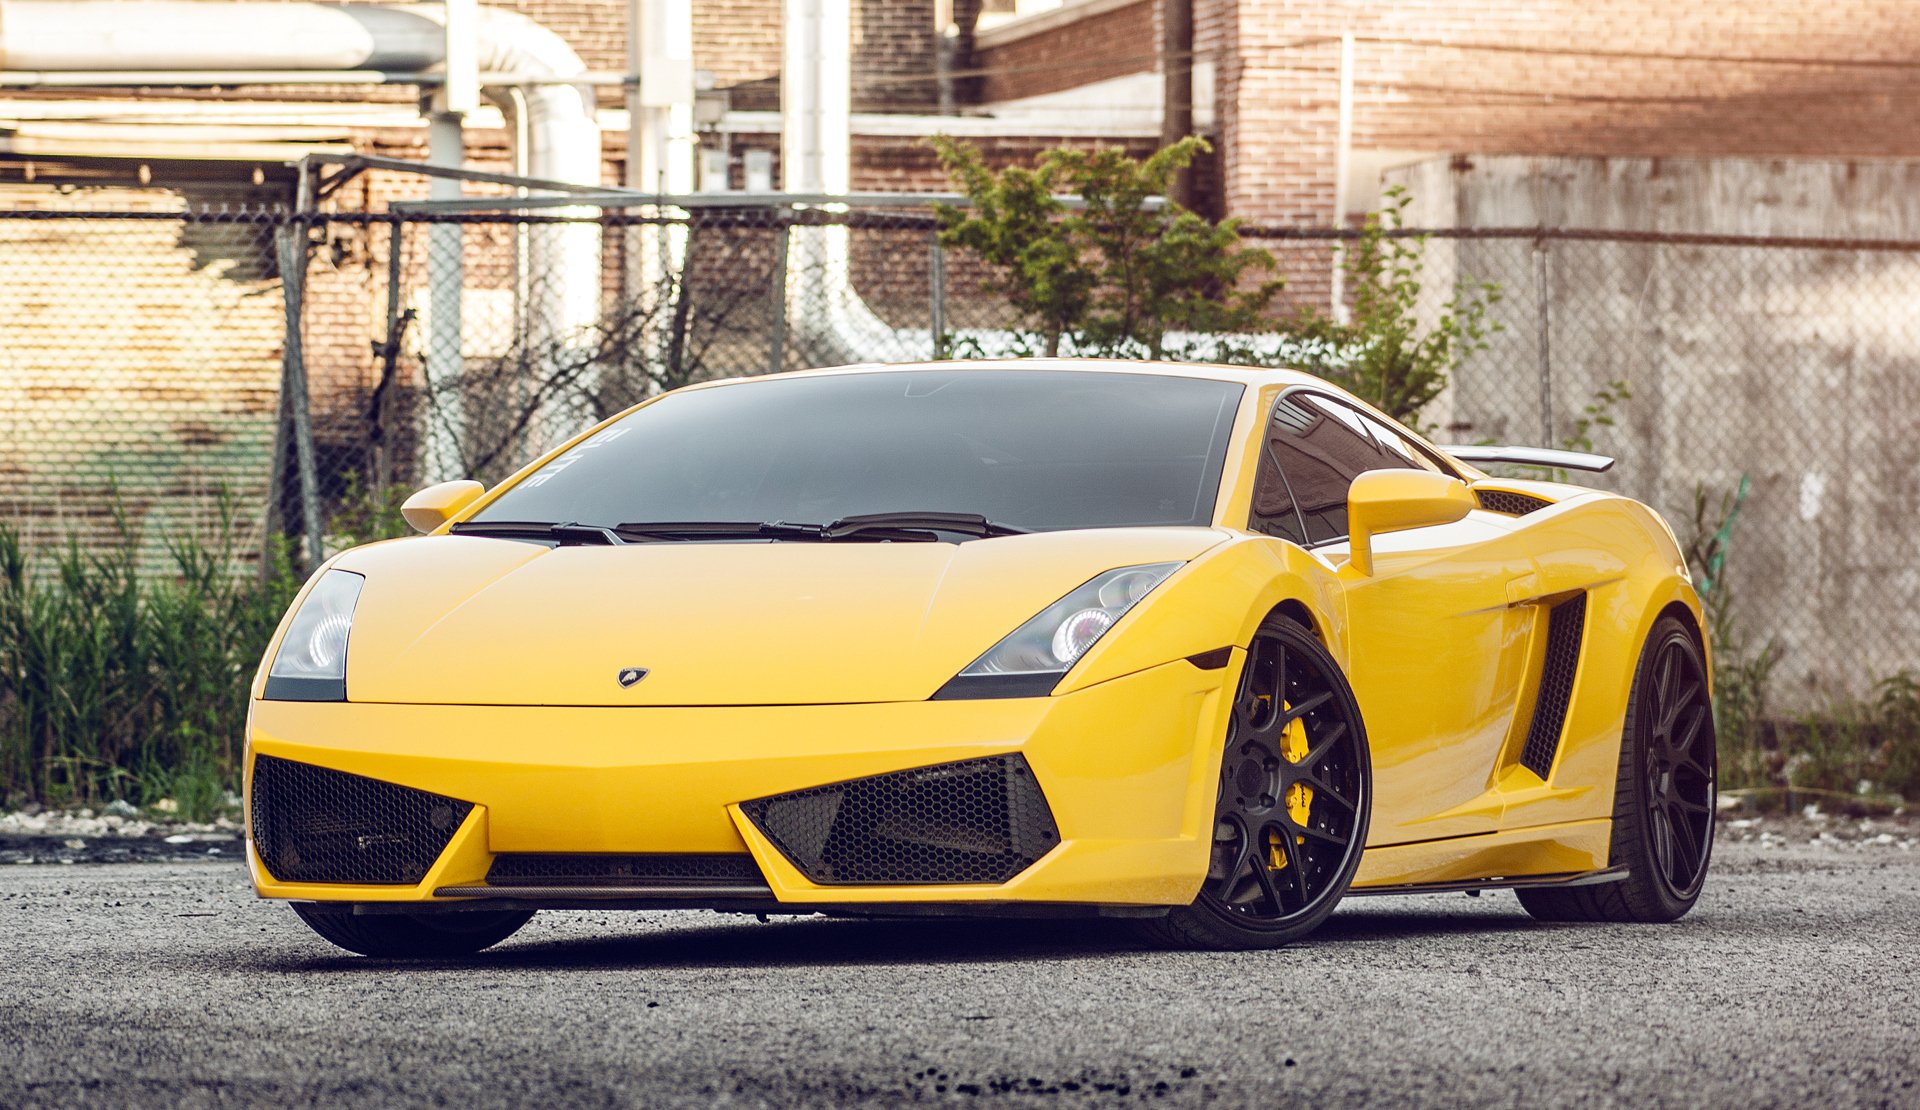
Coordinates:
x,y
966,524
718,529
566,534
902,526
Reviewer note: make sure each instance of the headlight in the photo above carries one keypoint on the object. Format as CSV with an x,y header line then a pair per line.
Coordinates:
x,y
1030,661
311,664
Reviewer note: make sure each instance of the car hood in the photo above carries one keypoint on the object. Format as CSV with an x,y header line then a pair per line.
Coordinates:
x,y
484,621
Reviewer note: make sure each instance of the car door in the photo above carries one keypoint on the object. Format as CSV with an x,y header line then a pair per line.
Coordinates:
x,y
1435,654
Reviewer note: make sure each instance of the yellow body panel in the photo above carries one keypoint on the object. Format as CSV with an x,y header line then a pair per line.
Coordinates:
x,y
1134,809
480,669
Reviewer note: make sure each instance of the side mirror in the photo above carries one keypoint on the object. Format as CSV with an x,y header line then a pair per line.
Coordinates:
x,y
435,505
1382,501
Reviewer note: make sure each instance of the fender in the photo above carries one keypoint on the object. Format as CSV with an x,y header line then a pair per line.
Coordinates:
x,y
1214,602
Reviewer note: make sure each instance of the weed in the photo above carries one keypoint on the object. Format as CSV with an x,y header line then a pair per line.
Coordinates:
x,y
118,686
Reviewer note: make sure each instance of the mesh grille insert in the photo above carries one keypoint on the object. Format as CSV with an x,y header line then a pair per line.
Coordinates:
x,y
1565,625
313,825
976,821
1508,502
543,869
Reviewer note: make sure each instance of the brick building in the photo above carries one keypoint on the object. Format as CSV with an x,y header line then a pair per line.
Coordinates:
x,y
1762,78
1765,78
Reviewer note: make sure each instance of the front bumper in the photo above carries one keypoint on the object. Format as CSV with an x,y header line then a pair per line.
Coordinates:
x,y
1129,769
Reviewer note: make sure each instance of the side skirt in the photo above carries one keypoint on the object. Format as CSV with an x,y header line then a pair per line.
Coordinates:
x,y
1557,882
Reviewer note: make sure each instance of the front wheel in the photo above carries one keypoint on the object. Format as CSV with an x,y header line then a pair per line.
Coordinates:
x,y
1664,794
421,936
1295,794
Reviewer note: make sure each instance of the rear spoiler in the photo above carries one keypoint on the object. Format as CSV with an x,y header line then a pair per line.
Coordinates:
x,y
1533,456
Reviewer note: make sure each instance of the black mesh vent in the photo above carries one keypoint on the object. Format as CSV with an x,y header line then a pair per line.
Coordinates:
x,y
1508,502
977,821
1565,624
620,870
313,825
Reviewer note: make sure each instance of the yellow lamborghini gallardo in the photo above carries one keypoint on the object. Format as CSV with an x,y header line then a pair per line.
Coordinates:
x,y
1207,647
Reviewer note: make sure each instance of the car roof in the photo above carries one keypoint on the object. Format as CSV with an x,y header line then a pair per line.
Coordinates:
x,y
1246,375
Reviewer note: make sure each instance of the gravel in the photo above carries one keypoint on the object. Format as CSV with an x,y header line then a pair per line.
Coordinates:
x,y
118,833
1793,982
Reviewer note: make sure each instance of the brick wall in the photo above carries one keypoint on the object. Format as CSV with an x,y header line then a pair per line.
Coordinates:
x,y
1112,43
139,355
894,48
1790,78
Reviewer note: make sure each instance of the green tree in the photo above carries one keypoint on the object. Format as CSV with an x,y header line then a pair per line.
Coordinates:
x,y
1125,277
1116,274
1384,352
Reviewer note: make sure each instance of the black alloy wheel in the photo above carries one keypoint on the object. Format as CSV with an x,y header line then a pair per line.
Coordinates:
x,y
1294,798
1664,795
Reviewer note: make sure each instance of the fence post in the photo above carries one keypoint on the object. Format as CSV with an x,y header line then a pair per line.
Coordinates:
x,y
777,340
388,353
291,241
937,275
1543,300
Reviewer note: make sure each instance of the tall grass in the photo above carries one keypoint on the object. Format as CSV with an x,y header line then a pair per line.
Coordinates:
x,y
118,686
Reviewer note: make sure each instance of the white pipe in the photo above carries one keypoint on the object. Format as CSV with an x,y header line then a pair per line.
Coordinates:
x,y
828,321
85,35
1342,158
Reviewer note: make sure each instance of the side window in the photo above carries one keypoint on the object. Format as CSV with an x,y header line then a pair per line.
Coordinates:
x,y
1316,447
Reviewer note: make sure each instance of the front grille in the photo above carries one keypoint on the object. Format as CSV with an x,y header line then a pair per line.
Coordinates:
x,y
314,825
1508,502
554,870
976,821
1565,625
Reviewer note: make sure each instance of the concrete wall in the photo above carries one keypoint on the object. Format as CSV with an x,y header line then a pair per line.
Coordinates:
x,y
1798,369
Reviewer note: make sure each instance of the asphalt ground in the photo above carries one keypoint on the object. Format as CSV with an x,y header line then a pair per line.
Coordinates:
x,y
1795,981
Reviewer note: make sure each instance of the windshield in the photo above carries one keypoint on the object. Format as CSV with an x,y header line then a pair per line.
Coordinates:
x,y
1033,450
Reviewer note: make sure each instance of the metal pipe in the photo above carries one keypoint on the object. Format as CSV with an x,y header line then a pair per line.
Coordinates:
x,y
226,78
1342,155
1543,297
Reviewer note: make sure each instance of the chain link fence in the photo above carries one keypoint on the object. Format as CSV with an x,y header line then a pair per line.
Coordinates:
x,y
148,367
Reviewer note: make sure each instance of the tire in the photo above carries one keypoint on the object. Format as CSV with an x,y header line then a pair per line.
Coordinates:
x,y
409,936
1663,794
1296,791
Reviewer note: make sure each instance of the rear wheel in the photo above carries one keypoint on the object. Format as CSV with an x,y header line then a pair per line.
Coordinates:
x,y
409,935
1663,805
1294,798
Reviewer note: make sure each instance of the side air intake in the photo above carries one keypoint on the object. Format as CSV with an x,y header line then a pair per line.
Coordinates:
x,y
314,825
1508,502
1566,624
976,821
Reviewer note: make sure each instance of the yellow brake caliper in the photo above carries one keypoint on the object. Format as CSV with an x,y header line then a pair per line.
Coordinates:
x,y
1299,799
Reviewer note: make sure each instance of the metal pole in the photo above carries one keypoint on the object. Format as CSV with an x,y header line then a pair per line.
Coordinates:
x,y
1543,298
636,113
292,245
1342,155
937,276
777,297
1176,65
389,352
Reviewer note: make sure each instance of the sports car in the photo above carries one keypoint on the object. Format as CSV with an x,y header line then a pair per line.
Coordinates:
x,y
1205,647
